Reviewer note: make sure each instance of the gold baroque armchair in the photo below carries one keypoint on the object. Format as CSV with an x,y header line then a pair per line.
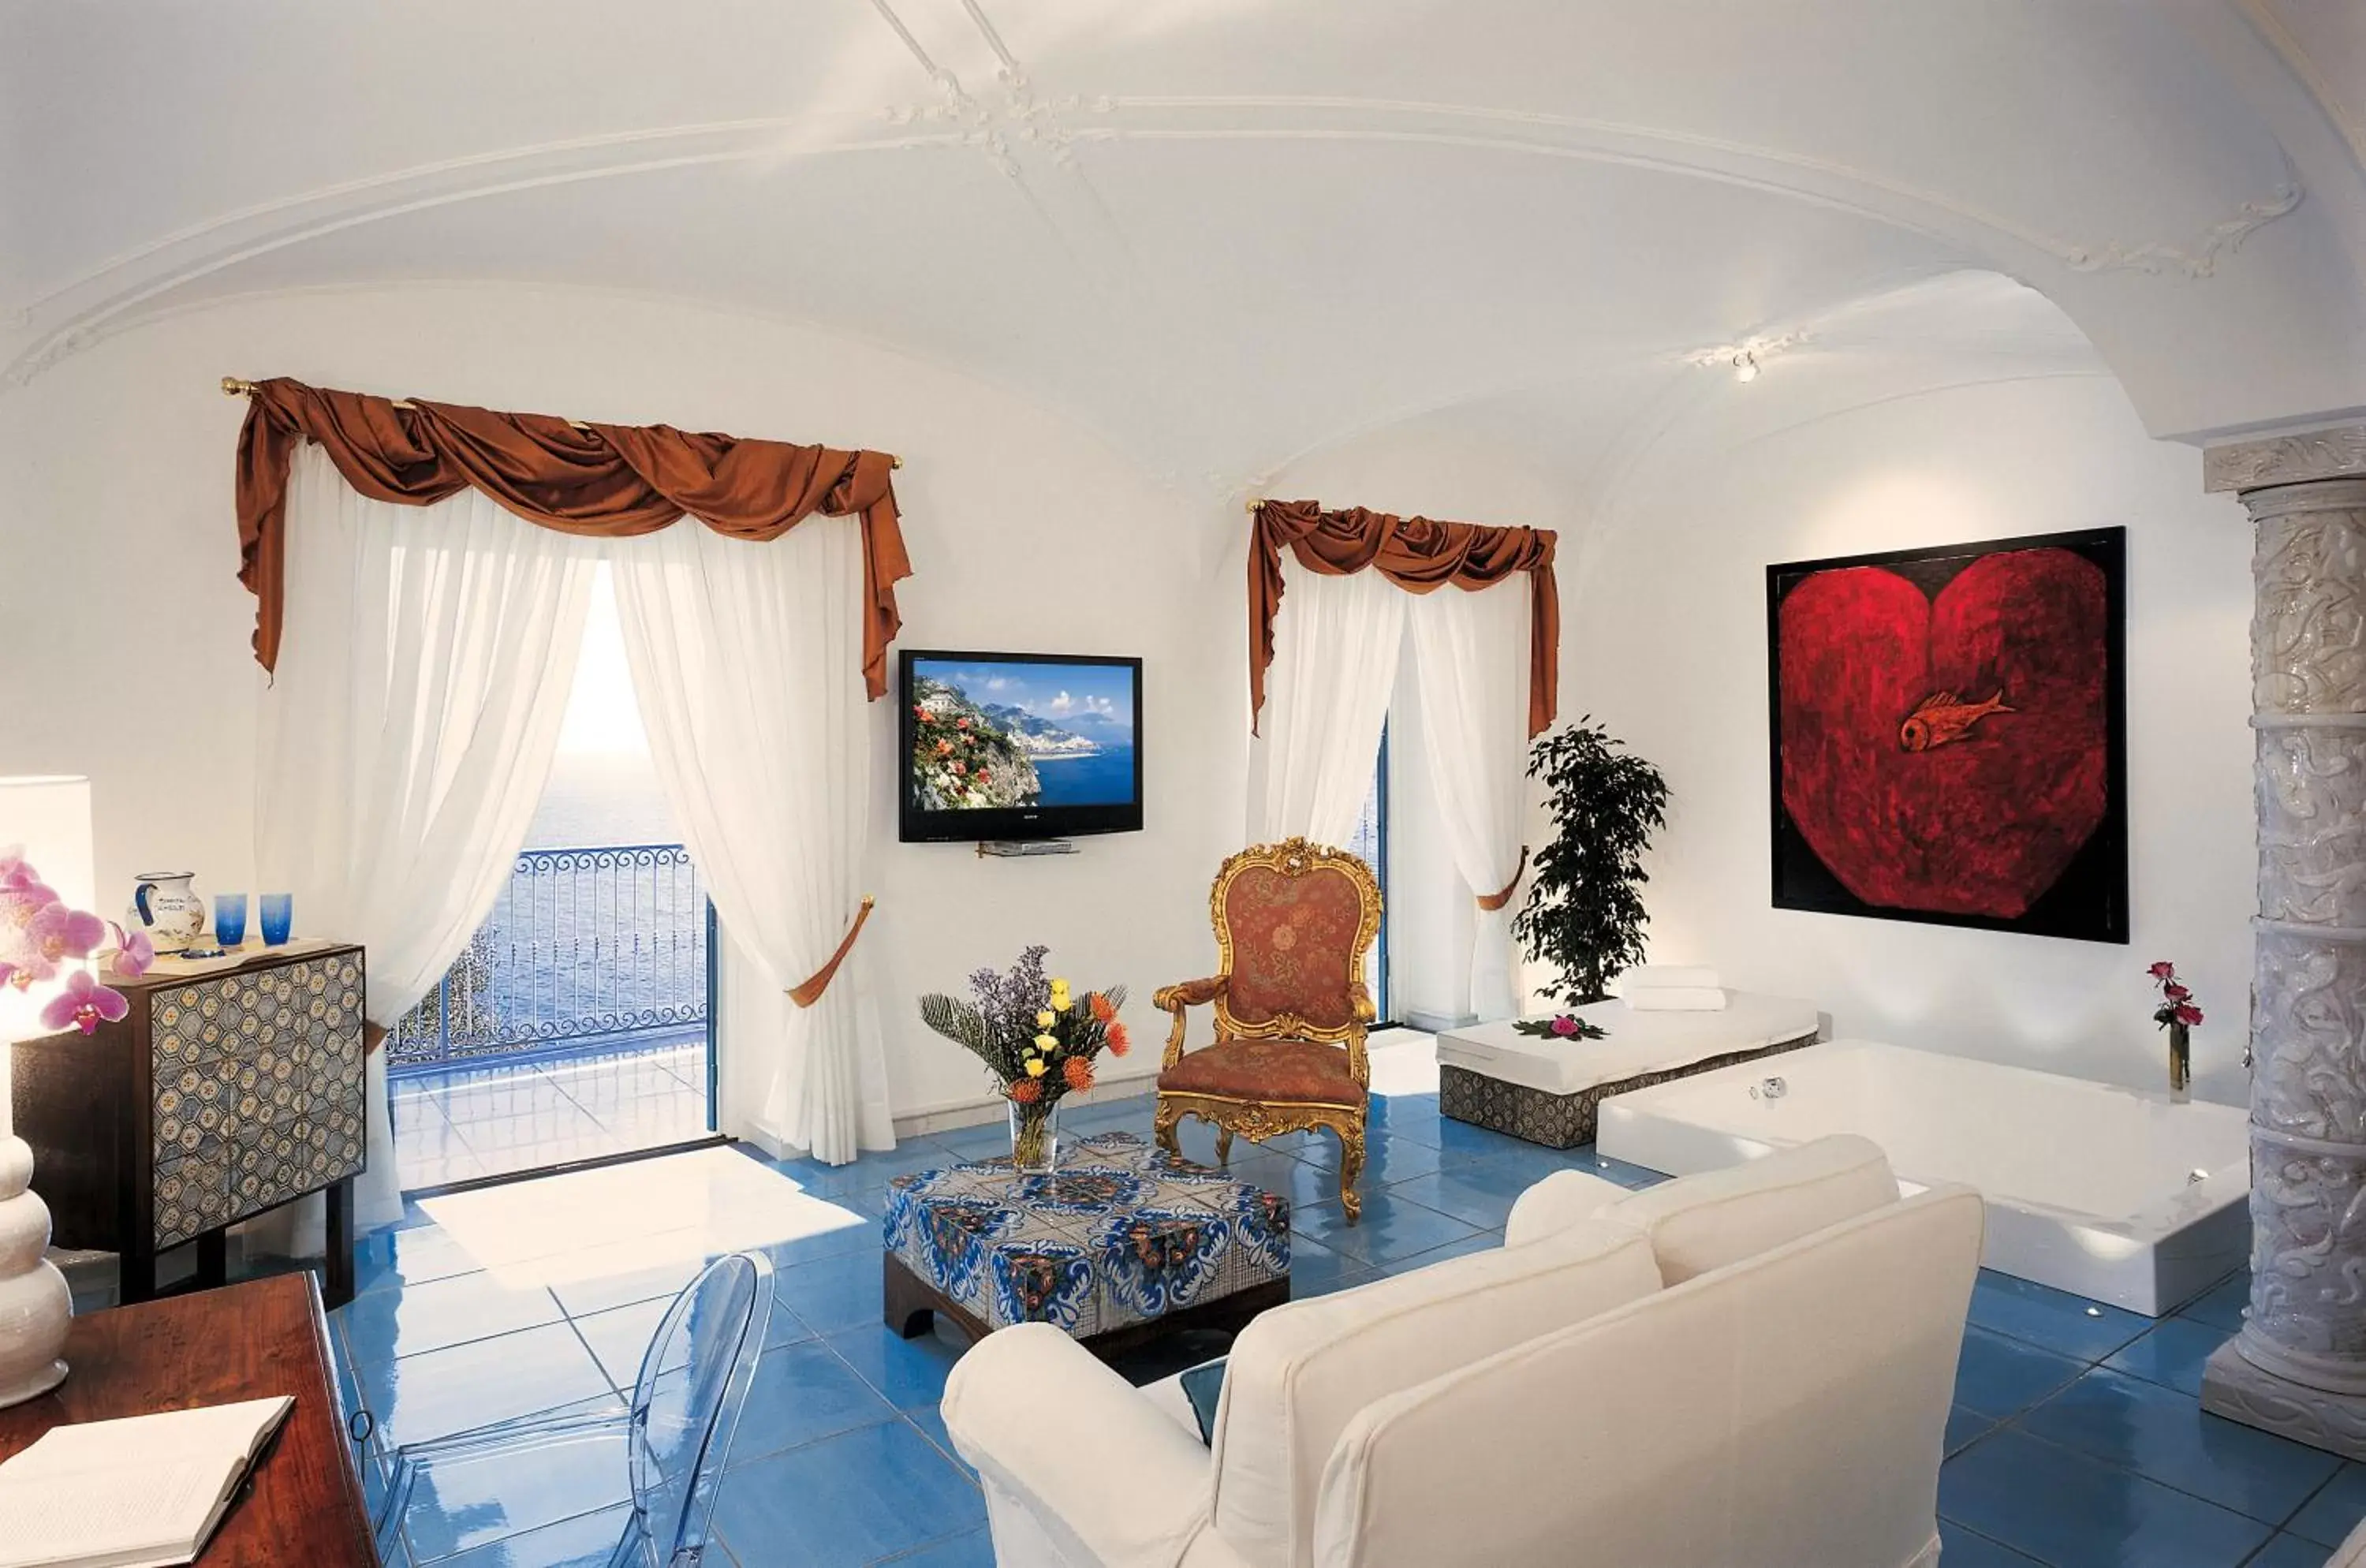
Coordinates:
x,y
1293,921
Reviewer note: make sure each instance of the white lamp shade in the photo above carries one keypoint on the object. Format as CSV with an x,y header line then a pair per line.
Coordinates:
x,y
47,819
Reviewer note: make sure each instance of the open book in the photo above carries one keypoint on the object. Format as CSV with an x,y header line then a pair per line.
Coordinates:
x,y
144,1492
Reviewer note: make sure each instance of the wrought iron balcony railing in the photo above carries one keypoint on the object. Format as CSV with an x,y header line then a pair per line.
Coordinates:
x,y
585,946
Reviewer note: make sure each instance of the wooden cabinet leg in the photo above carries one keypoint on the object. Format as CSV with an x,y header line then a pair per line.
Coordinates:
x,y
340,1286
213,1260
135,1278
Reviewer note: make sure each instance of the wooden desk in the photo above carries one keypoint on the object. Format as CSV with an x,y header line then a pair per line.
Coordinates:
x,y
246,1341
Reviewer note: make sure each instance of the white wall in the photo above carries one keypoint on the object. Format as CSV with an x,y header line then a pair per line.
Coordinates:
x,y
1666,641
124,635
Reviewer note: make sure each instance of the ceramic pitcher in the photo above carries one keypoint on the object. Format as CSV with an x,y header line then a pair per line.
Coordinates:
x,y
165,904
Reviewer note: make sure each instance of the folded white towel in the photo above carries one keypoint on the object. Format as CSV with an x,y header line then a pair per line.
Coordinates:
x,y
1676,998
1667,976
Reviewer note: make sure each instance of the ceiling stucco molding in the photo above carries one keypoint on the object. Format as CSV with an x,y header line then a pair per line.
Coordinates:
x,y
2349,118
66,318
1886,199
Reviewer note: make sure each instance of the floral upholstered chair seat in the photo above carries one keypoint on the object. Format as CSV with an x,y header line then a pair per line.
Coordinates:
x,y
1293,921
1300,1072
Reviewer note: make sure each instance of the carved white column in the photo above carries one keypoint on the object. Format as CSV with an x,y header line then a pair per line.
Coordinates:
x,y
2299,1366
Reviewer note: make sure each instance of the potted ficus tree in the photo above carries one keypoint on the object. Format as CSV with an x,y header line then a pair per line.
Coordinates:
x,y
1585,912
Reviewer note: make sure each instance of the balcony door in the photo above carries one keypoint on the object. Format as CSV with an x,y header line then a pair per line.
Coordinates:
x,y
1369,843
578,1025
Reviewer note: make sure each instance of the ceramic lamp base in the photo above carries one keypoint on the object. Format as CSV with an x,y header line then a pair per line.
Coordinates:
x,y
36,1307
34,1387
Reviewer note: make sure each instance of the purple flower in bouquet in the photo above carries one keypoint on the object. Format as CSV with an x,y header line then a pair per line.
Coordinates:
x,y
1009,1003
82,1002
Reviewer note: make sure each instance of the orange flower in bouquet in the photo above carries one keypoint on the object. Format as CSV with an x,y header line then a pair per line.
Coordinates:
x,y
1078,1071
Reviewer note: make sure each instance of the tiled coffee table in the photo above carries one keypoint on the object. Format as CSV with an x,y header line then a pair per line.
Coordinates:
x,y
1119,1244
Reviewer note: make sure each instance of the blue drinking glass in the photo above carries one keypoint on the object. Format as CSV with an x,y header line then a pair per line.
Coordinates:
x,y
229,919
278,913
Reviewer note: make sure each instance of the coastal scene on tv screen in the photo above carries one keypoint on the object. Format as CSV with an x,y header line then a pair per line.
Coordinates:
x,y
990,734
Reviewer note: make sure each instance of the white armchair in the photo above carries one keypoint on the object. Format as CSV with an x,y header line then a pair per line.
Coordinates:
x,y
1749,1368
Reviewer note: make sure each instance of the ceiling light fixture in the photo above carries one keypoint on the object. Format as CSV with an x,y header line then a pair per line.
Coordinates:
x,y
1747,359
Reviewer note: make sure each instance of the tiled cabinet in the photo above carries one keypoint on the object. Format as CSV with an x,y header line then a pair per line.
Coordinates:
x,y
218,1097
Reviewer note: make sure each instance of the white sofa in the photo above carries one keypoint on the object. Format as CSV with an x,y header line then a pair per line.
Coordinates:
x,y
1747,1369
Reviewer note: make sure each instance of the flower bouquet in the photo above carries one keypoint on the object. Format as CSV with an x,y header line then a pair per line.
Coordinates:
x,y
2177,1014
41,937
1561,1026
1037,1038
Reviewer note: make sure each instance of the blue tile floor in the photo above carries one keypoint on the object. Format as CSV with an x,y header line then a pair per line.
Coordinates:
x,y
2076,1438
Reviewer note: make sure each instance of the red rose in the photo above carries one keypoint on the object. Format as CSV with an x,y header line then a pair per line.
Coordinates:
x,y
2188,1014
2175,992
2163,971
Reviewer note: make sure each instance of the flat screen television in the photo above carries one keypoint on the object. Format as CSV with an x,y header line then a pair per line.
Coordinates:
x,y
1019,746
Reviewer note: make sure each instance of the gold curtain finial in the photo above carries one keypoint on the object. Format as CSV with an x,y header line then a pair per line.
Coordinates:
x,y
1254,502
234,388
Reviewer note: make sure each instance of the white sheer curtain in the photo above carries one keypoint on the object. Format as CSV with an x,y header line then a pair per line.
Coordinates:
x,y
747,661
423,669
1335,642
1470,657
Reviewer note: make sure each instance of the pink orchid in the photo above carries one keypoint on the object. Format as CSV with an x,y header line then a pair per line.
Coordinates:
x,y
59,932
40,946
82,1002
20,884
134,951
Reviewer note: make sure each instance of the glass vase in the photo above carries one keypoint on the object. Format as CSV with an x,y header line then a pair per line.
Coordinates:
x,y
2180,1064
1034,1138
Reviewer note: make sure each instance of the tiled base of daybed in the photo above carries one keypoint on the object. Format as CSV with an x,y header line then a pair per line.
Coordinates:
x,y
1563,1120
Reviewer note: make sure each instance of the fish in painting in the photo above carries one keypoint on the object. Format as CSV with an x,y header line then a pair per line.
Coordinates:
x,y
1943,717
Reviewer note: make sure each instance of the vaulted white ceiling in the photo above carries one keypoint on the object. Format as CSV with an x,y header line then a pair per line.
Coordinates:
x,y
1228,232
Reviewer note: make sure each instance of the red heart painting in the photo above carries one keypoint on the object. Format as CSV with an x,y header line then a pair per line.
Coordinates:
x,y
1949,754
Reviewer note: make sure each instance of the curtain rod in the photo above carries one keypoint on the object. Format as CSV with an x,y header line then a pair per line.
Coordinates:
x,y
233,387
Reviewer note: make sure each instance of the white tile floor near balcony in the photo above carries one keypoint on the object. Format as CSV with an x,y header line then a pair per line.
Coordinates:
x,y
467,1121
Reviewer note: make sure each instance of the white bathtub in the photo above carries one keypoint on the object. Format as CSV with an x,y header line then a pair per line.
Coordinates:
x,y
2115,1195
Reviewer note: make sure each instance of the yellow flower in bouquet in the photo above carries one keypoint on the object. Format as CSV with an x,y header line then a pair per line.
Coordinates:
x,y
1061,1000
1046,1044
1045,1020
1035,1067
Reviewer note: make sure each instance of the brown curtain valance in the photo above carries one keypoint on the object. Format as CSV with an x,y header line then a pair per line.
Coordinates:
x,y
1417,554
615,480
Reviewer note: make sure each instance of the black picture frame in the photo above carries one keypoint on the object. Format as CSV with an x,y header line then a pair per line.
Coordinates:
x,y
983,825
2088,901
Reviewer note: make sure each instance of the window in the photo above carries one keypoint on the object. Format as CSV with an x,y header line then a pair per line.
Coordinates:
x,y
1369,843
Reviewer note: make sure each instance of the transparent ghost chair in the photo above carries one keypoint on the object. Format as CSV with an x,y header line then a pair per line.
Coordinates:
x,y
675,1435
